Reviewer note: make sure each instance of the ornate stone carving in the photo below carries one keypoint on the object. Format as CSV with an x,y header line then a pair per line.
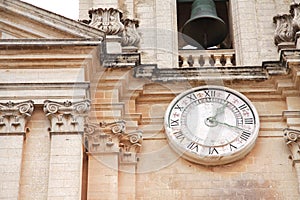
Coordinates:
x,y
107,20
295,12
284,29
97,141
291,137
13,116
113,137
67,116
130,36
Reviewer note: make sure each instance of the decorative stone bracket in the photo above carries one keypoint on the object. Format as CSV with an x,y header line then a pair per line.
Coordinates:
x,y
284,29
287,25
130,36
14,116
109,20
292,139
67,116
113,137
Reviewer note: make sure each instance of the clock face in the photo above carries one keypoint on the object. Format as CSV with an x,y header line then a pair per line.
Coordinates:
x,y
211,125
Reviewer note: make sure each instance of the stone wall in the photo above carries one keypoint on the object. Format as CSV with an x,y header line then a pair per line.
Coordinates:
x,y
252,28
160,172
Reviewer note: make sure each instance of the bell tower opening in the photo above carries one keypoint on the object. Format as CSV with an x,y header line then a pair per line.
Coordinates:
x,y
203,24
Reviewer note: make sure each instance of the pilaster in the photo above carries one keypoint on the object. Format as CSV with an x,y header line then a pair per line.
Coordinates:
x,y
13,118
67,126
112,160
292,139
130,145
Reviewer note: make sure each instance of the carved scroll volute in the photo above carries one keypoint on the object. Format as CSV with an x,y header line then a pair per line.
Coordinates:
x,y
67,116
98,141
130,145
112,137
295,12
13,116
284,31
107,20
292,139
130,35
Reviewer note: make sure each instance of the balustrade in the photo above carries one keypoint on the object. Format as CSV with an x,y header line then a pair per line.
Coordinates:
x,y
207,58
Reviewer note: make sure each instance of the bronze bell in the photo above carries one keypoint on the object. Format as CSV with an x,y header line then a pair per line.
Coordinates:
x,y
204,26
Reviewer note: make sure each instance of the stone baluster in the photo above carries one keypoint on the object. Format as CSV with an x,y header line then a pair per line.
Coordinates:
x,y
67,121
196,59
218,60
185,62
13,119
207,59
228,58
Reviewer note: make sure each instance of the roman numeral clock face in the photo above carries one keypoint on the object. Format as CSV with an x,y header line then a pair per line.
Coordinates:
x,y
211,125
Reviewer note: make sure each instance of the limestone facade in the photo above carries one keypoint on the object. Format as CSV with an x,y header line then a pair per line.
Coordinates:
x,y
82,103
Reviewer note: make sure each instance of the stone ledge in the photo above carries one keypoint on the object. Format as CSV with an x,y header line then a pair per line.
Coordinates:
x,y
201,73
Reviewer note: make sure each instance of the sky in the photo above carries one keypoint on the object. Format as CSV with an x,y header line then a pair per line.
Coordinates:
x,y
67,8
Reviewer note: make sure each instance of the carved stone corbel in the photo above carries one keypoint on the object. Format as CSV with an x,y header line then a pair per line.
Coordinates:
x,y
107,20
67,116
130,35
292,139
14,116
284,31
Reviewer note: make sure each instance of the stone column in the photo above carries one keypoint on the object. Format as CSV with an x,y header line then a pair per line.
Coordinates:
x,y
67,121
13,118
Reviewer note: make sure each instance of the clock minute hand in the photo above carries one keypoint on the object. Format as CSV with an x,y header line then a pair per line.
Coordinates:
x,y
219,110
228,125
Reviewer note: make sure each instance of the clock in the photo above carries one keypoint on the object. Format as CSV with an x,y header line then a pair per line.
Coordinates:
x,y
211,125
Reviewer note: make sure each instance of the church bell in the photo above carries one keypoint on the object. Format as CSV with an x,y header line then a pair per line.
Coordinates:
x,y
204,26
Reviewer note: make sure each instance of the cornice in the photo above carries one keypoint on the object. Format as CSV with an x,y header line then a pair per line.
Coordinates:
x,y
51,19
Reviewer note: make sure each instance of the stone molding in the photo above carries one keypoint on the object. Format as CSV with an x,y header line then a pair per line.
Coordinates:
x,y
14,116
112,137
49,19
292,139
67,117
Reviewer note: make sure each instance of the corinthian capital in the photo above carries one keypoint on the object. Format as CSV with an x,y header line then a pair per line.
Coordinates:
x,y
113,137
67,116
13,116
292,139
